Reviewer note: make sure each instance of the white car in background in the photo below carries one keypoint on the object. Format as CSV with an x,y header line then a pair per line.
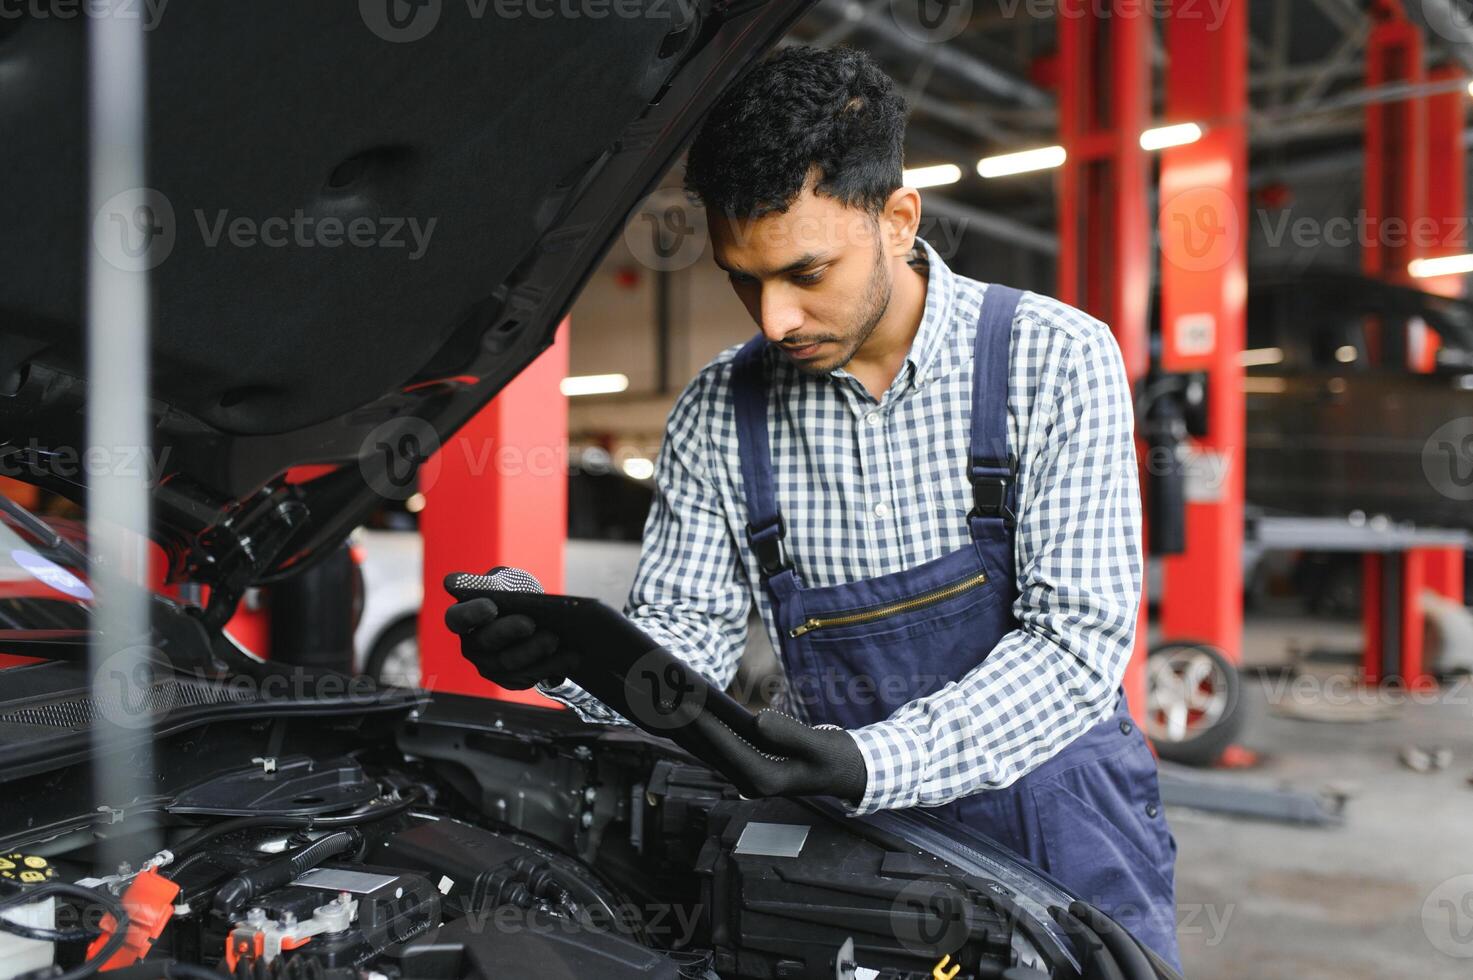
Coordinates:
x,y
386,642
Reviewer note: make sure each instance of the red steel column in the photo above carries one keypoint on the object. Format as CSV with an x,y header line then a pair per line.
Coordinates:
x,y
1204,289
500,498
1395,189
1104,225
1447,204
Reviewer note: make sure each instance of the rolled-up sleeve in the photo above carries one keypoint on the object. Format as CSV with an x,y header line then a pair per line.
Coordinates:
x,y
1078,552
689,593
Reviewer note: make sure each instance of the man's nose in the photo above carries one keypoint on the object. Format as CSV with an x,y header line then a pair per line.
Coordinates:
x,y
780,315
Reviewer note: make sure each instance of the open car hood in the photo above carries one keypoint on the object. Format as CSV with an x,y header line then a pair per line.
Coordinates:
x,y
487,155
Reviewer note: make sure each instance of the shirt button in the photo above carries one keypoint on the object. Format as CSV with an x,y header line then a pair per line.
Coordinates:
x,y
1126,728
882,511
873,418
1151,810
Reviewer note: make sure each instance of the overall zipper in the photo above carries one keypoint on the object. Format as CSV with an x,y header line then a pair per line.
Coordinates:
x,y
880,612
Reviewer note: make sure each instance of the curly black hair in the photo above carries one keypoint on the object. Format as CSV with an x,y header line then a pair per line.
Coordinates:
x,y
803,110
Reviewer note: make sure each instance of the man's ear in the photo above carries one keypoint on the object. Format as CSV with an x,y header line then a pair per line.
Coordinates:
x,y
900,221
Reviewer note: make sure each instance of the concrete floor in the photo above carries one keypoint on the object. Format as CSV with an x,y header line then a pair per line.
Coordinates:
x,y
1272,901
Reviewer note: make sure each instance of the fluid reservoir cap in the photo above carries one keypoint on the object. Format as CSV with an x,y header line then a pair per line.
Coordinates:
x,y
25,869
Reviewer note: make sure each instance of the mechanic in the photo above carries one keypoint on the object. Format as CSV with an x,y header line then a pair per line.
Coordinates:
x,y
929,485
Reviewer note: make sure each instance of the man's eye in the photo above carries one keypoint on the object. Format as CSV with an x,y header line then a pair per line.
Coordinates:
x,y
807,278
739,280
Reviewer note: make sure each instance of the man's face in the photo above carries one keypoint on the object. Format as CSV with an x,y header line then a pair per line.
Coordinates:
x,y
815,278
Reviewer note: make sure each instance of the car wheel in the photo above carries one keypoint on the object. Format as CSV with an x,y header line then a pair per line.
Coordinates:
x,y
394,659
1192,702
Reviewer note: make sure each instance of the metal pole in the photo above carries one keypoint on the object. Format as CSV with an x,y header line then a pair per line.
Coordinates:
x,y
117,368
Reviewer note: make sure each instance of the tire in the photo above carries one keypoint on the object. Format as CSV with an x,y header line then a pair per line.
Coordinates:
x,y
1193,702
394,659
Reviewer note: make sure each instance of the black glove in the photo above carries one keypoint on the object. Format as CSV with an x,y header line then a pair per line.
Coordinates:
x,y
789,758
507,650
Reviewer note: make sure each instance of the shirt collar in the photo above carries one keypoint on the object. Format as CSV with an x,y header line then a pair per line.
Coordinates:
x,y
940,301
930,335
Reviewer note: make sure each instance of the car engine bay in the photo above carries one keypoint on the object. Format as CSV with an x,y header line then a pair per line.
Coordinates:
x,y
451,837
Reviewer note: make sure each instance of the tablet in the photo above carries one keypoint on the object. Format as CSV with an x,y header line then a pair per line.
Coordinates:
x,y
624,667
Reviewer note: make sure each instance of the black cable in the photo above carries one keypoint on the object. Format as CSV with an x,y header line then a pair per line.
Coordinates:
x,y
273,874
411,796
85,896
189,971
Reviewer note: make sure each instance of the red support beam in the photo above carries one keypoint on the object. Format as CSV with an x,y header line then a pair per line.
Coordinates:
x,y
1104,224
1399,185
496,494
1204,291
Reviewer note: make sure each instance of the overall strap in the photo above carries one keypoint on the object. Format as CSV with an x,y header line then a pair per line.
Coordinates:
x,y
992,468
765,528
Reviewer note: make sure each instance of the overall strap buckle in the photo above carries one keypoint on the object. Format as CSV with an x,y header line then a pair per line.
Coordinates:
x,y
767,545
992,480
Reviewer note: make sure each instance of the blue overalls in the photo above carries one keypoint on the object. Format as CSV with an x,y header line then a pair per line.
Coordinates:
x,y
1090,816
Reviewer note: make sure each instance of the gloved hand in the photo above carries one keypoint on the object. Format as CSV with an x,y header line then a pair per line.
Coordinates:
x,y
789,759
507,650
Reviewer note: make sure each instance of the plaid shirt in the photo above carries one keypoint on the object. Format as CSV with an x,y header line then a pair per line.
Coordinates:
x,y
871,487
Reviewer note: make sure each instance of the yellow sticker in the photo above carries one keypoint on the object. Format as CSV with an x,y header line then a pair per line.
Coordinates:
x,y
5,865
30,877
35,862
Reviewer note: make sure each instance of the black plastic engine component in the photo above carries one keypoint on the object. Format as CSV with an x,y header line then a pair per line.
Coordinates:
x,y
388,907
479,870
240,889
784,889
516,942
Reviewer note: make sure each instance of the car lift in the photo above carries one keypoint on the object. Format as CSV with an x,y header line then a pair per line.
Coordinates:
x,y
1104,80
497,493
1415,167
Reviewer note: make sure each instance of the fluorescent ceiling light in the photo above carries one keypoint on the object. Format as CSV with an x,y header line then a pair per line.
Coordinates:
x,y
941,173
1164,136
1027,161
1448,265
594,384
639,468
1259,356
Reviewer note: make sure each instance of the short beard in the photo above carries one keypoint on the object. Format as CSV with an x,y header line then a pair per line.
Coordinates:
x,y
876,302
